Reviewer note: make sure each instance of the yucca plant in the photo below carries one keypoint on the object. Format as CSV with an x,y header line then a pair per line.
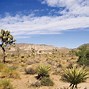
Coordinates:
x,y
75,76
42,71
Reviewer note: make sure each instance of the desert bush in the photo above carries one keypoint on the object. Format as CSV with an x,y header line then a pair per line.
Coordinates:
x,y
46,81
75,76
43,71
10,72
5,84
30,70
83,55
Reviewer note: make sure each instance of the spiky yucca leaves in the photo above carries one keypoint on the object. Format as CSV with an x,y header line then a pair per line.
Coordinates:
x,y
6,39
43,71
75,76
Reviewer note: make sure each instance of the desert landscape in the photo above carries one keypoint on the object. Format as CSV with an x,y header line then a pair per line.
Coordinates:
x,y
44,44
24,60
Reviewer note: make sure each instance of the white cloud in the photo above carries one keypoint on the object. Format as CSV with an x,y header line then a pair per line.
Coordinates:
x,y
74,7
42,25
31,24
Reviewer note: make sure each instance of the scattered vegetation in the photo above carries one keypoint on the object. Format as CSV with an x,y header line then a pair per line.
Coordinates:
x,y
31,58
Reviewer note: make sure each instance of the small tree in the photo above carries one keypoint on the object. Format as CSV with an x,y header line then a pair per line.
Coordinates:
x,y
6,39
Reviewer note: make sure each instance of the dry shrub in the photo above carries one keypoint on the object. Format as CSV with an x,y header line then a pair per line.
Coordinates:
x,y
5,84
10,72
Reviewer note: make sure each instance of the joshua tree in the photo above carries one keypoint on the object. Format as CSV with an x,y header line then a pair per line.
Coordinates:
x,y
6,39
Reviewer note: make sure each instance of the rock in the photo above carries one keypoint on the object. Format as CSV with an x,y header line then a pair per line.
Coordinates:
x,y
36,83
30,69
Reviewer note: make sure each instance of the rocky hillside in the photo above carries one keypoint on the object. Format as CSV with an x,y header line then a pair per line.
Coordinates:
x,y
37,47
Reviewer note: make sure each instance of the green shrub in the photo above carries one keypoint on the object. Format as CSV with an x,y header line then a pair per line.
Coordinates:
x,y
43,71
75,76
83,54
5,84
46,81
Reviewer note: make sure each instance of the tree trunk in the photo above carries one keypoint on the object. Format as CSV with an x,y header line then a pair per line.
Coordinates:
x,y
4,56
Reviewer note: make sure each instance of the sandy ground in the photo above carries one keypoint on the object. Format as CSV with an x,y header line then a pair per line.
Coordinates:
x,y
26,80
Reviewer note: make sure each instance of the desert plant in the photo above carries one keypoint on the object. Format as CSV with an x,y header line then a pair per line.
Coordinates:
x,y
75,76
5,84
46,81
83,54
10,72
42,71
6,39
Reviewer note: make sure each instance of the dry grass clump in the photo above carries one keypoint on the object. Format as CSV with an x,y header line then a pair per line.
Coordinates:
x,y
2,66
9,72
6,84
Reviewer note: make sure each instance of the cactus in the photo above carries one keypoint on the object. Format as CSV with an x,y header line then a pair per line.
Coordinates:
x,y
6,39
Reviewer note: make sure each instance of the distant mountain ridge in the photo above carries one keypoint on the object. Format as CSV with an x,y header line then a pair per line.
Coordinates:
x,y
25,46
38,47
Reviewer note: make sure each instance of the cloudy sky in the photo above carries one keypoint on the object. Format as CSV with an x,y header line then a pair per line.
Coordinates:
x,y
63,23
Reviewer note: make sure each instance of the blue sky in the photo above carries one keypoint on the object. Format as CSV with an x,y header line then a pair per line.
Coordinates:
x,y
55,22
